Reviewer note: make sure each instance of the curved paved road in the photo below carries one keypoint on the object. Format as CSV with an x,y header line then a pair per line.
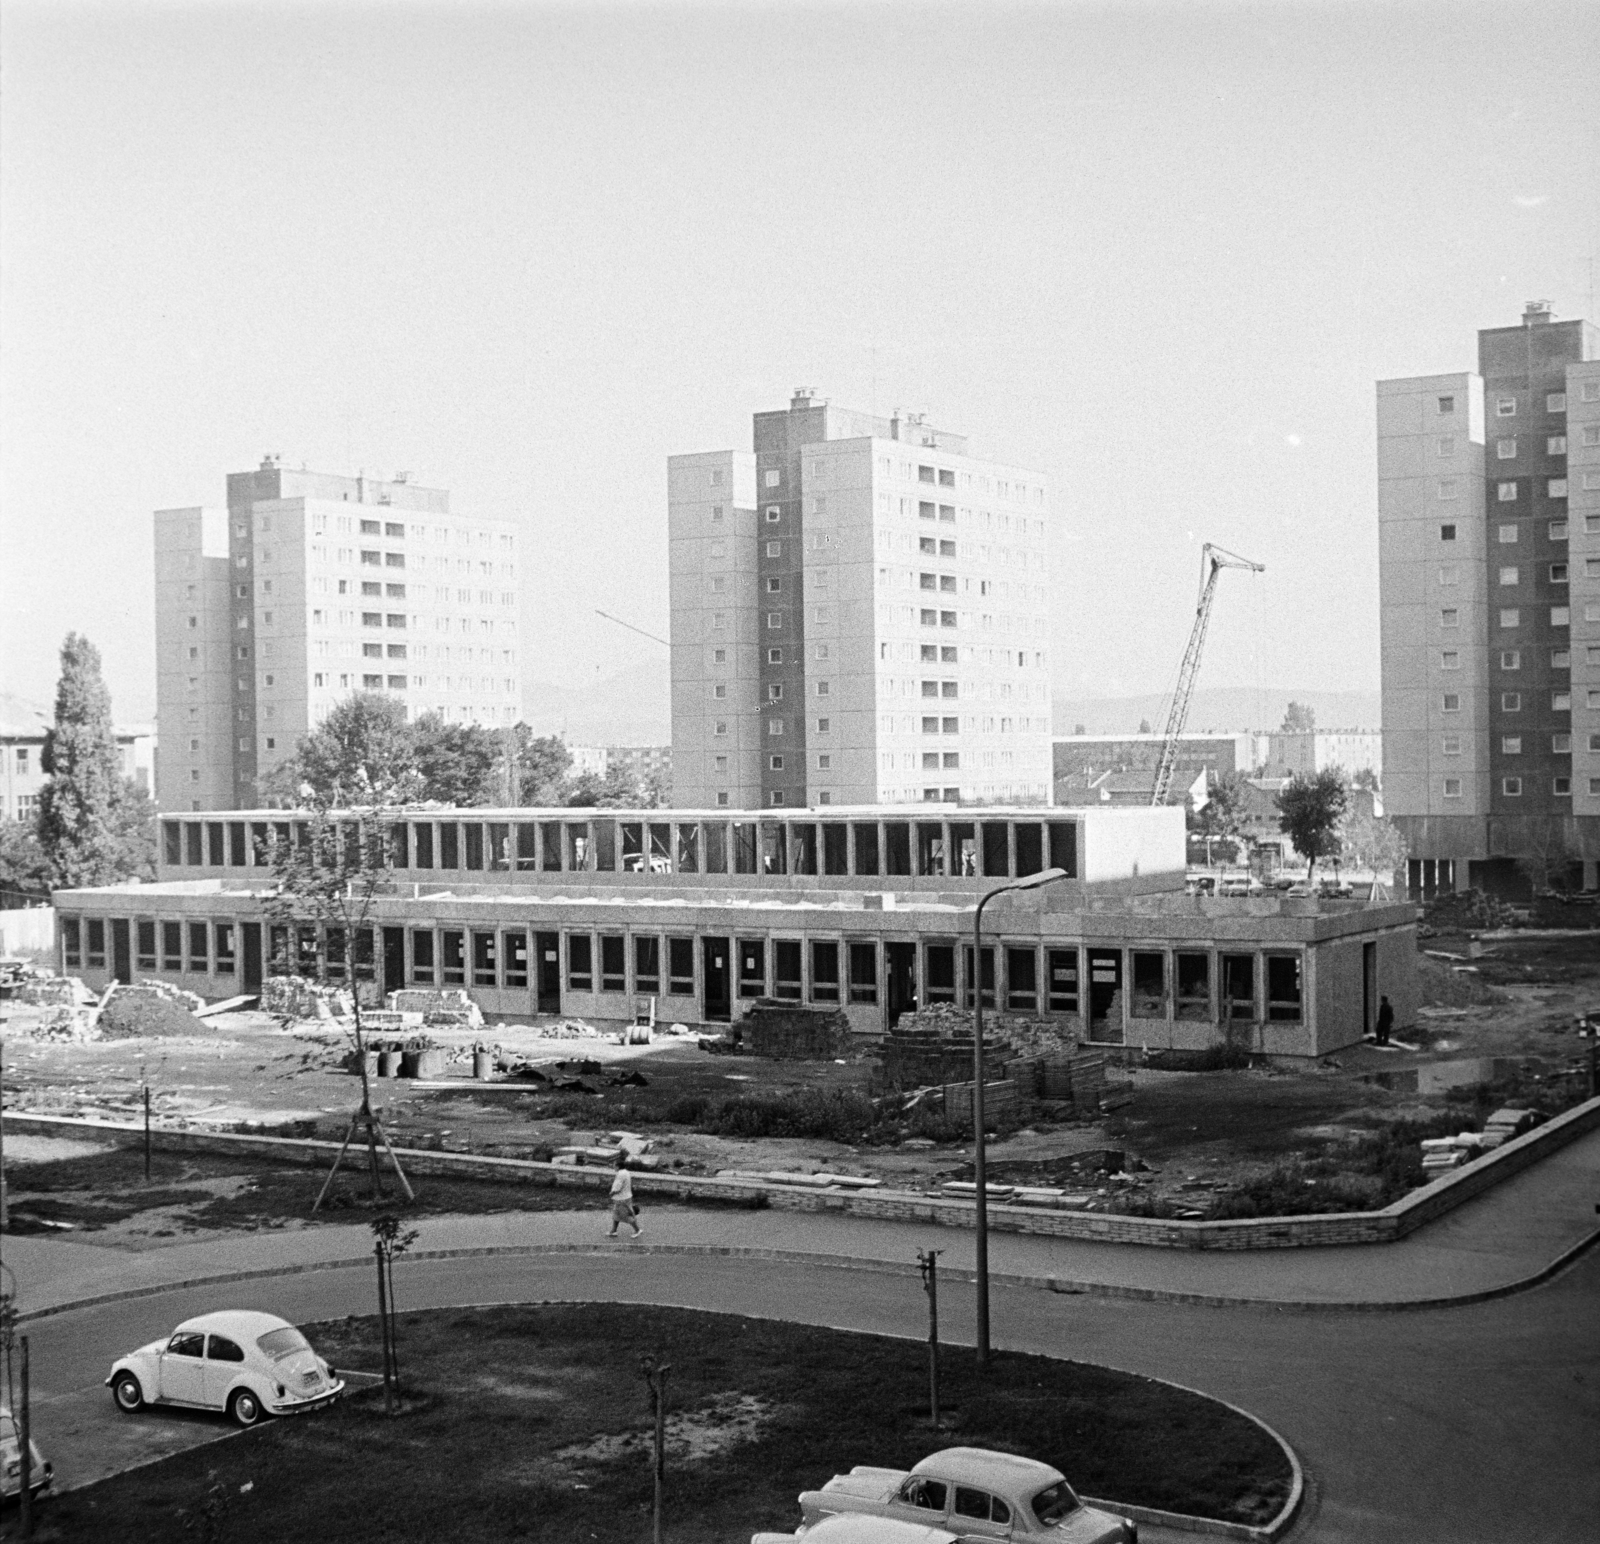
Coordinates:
x,y
1473,1425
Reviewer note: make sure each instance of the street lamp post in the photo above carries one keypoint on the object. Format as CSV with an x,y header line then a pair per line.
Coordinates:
x,y
1031,882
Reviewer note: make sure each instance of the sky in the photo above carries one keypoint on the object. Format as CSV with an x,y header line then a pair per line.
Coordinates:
x,y
1160,252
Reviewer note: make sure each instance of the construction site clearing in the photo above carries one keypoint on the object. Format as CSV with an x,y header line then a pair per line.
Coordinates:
x,y
1493,1051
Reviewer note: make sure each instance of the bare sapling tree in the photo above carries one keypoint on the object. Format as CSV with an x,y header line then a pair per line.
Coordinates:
x,y
327,877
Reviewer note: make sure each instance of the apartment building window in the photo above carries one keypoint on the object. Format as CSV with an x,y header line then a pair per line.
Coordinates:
x,y
774,514
372,650
774,620
1510,702
1560,616
1507,535
1447,533
1511,659
1558,573
372,619
719,656
1555,402
722,800
394,560
1451,745
371,682
1561,702
1510,745
1561,744
930,726
1561,786
1594,787
1449,660
824,725
775,691
1591,391
1558,487
1594,742
1452,702
774,586
1511,787
1510,616
1505,407
1452,788
1556,445
824,688
1558,530
1450,618
772,477
1561,659
775,763
372,559
720,727
1447,445
947,619
719,763
1506,492
719,620
925,474
1591,434
1447,404
1448,488
930,618
395,619
1506,450
774,726
824,762
720,689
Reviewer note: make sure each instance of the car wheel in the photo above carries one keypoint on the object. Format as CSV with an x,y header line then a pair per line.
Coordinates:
x,y
244,1408
126,1392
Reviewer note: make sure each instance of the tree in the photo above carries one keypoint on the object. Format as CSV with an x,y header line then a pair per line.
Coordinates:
x,y
362,753
327,877
1221,818
1298,718
1543,848
1144,726
133,832
456,762
1309,812
1371,842
1368,779
77,824
544,768
24,865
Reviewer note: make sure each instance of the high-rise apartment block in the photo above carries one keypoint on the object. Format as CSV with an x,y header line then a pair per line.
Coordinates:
x,y
1489,541
859,616
306,589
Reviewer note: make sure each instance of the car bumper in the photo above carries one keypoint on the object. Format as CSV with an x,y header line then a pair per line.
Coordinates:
x,y
315,1402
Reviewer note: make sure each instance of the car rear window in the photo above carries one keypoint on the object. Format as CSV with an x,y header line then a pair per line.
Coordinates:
x,y
277,1344
1051,1505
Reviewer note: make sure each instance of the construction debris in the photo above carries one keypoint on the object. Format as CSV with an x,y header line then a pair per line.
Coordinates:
x,y
295,998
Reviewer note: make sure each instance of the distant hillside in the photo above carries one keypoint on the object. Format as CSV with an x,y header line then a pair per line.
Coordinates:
x,y
1217,707
633,707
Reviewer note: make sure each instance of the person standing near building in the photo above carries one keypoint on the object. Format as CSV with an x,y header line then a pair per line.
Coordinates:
x,y
622,1207
1385,1021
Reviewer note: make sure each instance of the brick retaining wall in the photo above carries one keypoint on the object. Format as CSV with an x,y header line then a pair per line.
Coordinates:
x,y
1393,1222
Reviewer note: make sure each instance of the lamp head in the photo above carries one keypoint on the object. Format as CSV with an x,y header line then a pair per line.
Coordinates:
x,y
1046,877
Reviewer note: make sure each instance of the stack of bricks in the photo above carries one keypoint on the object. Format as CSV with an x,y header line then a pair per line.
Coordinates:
x,y
788,1032
934,1044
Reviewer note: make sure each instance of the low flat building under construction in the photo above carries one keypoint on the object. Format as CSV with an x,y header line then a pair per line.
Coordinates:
x,y
870,910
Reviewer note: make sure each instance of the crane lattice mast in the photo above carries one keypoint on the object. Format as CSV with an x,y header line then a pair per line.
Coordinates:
x,y
1212,561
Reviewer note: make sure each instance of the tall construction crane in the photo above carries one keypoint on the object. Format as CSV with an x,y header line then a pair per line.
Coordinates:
x,y
1212,561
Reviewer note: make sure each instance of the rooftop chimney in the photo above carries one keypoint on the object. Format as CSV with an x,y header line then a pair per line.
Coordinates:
x,y
802,399
1535,312
270,463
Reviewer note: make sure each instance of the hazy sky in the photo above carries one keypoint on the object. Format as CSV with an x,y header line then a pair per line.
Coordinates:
x,y
527,252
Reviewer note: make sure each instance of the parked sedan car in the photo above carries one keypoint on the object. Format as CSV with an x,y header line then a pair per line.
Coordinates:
x,y
858,1528
248,1364
40,1475
975,1494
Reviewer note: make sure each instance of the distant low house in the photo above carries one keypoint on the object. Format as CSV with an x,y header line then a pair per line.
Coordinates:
x,y
22,775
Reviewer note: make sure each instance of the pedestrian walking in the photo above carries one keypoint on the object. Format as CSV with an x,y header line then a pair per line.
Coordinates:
x,y
1385,1021
622,1207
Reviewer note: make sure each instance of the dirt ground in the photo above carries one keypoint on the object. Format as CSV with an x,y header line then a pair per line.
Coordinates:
x,y
1497,1025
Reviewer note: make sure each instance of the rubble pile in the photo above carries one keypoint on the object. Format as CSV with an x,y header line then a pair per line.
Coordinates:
x,y
294,997
448,1008
1468,911
149,1010
934,1044
41,991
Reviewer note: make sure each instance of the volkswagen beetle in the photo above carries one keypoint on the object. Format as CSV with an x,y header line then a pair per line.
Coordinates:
x,y
975,1494
246,1363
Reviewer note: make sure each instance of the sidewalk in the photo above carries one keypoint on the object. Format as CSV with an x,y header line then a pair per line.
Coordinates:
x,y
1488,1245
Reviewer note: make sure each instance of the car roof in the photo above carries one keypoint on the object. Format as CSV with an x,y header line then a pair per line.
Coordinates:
x,y
863,1528
236,1323
984,1467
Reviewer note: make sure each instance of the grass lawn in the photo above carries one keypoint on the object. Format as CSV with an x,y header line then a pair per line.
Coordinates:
x,y
527,1423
